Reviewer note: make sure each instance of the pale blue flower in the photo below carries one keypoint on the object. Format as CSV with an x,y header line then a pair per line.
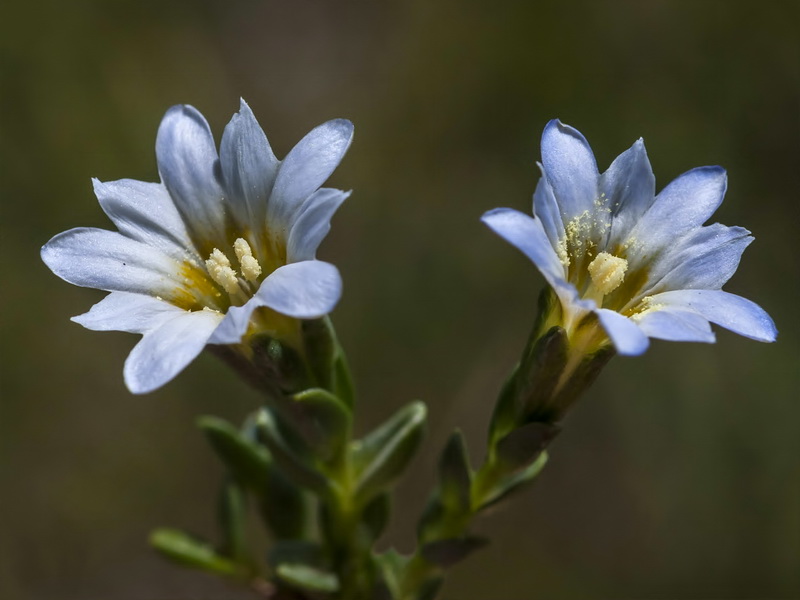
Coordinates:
x,y
221,236
643,264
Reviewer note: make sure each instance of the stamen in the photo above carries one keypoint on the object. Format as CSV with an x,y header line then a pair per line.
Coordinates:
x,y
219,268
250,267
607,272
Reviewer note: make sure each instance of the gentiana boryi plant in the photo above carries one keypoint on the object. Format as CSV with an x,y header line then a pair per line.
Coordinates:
x,y
221,255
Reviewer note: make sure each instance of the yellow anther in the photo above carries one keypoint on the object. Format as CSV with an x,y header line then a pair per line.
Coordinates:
x,y
250,267
607,272
219,268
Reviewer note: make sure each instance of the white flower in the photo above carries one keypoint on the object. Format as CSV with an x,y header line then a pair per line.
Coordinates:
x,y
642,264
219,237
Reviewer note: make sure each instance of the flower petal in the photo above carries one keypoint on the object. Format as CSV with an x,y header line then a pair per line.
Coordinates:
x,y
248,167
108,260
313,224
527,234
570,168
235,323
305,169
546,208
626,336
705,259
164,352
145,212
676,325
727,310
629,188
134,313
303,290
687,202
187,161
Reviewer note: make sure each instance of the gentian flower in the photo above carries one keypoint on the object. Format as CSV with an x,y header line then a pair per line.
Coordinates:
x,y
224,247
625,263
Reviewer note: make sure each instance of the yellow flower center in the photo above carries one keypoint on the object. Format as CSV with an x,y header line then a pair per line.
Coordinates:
x,y
607,272
223,274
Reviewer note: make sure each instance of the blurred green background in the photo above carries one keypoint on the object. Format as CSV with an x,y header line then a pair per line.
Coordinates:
x,y
678,476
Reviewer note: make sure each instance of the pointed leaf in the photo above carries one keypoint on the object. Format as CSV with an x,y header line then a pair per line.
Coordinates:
x,y
375,516
384,454
455,476
524,444
320,419
299,466
308,578
392,565
446,553
514,483
296,552
183,549
247,461
430,588
232,515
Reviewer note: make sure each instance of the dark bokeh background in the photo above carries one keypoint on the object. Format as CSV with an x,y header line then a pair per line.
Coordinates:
x,y
678,476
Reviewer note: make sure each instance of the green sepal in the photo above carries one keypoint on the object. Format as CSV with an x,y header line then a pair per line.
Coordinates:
x,y
321,419
501,489
583,377
320,349
525,394
384,454
343,381
308,578
524,444
326,359
528,394
247,461
281,367
232,516
298,465
447,553
375,516
185,550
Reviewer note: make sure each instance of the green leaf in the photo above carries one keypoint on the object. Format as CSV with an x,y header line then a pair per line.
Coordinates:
x,y
430,588
321,419
449,508
299,466
296,552
392,565
455,474
232,514
283,506
384,454
185,550
247,461
446,553
513,483
375,516
524,444
308,578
